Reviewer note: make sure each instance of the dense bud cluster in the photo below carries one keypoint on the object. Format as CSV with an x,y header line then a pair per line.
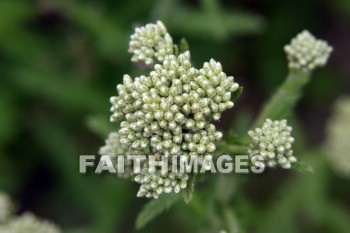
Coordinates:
x,y
169,112
113,148
5,207
28,223
157,181
151,43
273,141
305,52
337,144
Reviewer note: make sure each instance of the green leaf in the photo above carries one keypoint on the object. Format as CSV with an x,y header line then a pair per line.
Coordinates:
x,y
109,37
188,194
236,94
303,167
154,208
217,25
67,93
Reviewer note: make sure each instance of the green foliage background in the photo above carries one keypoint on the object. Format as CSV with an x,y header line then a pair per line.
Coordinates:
x,y
61,60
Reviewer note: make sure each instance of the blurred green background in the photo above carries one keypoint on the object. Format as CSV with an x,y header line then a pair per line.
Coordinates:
x,y
61,60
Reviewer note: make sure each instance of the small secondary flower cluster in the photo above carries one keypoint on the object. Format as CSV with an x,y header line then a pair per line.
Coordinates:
x,y
28,223
337,144
306,53
151,44
21,224
273,141
169,112
113,148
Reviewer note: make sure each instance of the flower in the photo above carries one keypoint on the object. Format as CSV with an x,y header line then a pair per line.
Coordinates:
x,y
155,182
150,44
6,207
306,53
169,111
24,223
337,144
28,223
273,141
113,148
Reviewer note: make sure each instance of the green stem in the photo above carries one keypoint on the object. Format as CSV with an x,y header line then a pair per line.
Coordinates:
x,y
204,211
285,98
225,189
230,220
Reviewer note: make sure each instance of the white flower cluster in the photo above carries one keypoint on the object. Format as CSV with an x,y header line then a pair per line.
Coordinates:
x,y
113,148
5,207
306,53
158,181
151,44
169,112
273,141
337,144
22,224
28,223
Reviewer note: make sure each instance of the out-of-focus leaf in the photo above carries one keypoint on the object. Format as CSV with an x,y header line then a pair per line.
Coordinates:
x,y
9,178
343,5
210,22
108,35
101,125
79,230
8,118
155,208
14,17
227,24
311,200
62,91
303,167
337,217
63,153
133,8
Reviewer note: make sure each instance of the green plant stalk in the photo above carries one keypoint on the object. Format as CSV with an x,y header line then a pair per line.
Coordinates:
x,y
285,98
230,220
225,189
